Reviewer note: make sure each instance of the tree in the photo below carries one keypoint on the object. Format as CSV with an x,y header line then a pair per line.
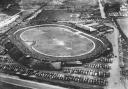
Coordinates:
x,y
6,4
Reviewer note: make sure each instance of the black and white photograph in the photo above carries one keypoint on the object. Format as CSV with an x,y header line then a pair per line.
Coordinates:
x,y
63,44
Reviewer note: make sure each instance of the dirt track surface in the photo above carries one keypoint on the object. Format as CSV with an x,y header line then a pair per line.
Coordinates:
x,y
57,41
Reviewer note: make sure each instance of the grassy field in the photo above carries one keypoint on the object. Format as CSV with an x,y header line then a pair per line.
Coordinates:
x,y
56,41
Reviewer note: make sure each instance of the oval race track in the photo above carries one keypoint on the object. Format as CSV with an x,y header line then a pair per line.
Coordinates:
x,y
55,42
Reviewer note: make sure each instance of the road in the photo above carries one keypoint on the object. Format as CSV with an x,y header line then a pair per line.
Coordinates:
x,y
114,80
